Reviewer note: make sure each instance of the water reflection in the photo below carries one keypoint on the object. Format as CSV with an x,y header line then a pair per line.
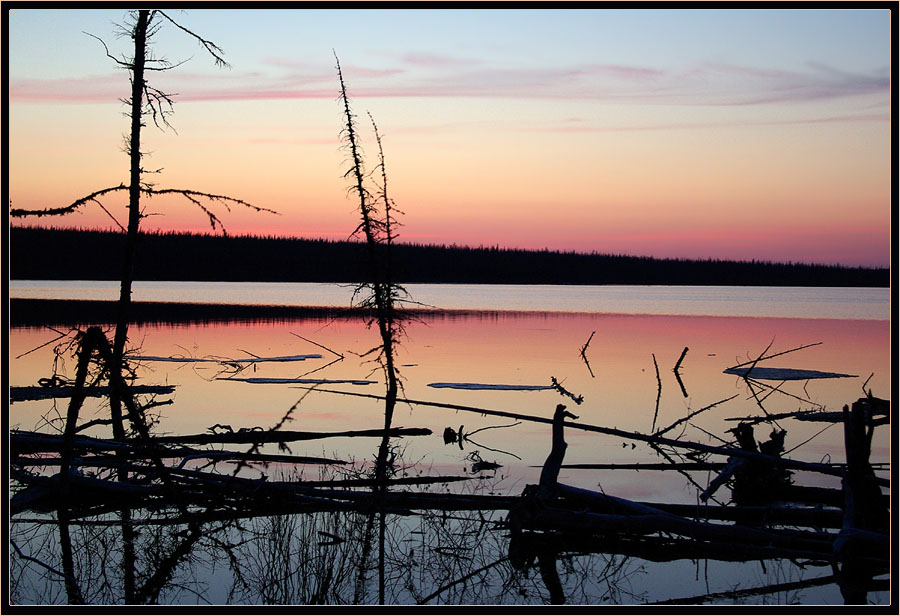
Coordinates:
x,y
451,553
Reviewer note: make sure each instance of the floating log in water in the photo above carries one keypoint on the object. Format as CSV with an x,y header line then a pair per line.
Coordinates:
x,y
648,466
35,442
285,436
37,392
185,455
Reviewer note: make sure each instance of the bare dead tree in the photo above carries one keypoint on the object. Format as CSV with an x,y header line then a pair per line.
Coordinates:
x,y
145,101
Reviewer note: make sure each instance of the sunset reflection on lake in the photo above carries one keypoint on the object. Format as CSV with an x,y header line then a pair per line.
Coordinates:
x,y
510,348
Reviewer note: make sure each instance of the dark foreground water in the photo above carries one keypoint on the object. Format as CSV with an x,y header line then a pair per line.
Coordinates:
x,y
517,338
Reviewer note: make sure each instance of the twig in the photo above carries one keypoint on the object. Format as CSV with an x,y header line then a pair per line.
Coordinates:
x,y
658,392
584,357
63,336
697,412
678,375
762,385
584,348
680,359
763,357
24,556
461,580
214,50
321,346
562,390
868,393
749,592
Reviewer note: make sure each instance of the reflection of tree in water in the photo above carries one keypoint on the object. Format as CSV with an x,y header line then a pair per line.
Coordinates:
x,y
312,559
295,559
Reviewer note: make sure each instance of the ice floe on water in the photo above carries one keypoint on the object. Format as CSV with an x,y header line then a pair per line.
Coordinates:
x,y
221,360
489,386
299,381
785,374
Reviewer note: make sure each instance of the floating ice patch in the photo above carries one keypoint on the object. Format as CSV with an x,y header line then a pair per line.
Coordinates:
x,y
489,386
225,360
785,374
298,381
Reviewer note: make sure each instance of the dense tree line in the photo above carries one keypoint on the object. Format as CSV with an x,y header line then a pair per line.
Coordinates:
x,y
65,254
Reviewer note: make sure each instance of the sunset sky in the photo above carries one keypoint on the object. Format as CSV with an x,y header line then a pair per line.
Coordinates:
x,y
686,133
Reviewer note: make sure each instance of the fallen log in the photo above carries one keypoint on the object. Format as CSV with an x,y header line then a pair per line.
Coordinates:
x,y
37,392
636,436
285,436
186,455
647,466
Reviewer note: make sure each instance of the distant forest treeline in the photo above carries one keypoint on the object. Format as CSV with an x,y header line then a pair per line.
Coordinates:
x,y
64,254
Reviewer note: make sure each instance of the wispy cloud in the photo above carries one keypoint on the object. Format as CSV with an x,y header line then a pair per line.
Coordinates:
x,y
433,60
429,75
579,126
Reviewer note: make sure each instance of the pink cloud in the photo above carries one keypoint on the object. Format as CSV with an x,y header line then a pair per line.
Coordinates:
x,y
439,76
567,126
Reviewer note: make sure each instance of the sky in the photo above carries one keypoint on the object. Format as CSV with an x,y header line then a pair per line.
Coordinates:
x,y
726,134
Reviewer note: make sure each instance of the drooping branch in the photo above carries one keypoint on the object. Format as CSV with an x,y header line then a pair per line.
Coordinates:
x,y
214,50
68,209
195,196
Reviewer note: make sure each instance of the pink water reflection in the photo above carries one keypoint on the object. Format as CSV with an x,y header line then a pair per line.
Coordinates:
x,y
503,348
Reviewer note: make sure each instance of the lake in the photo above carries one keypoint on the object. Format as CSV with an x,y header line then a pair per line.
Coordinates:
x,y
471,337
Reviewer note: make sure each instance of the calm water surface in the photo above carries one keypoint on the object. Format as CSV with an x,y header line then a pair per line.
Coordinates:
x,y
810,302
537,335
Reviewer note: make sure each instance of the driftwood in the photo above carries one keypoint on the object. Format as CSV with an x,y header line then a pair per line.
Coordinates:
x,y
284,436
880,414
550,471
552,518
649,466
36,392
866,516
636,436
184,454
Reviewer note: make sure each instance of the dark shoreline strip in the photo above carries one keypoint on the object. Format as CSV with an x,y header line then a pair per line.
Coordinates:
x,y
38,313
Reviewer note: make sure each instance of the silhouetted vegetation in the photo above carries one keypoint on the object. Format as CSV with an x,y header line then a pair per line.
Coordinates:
x,y
50,254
